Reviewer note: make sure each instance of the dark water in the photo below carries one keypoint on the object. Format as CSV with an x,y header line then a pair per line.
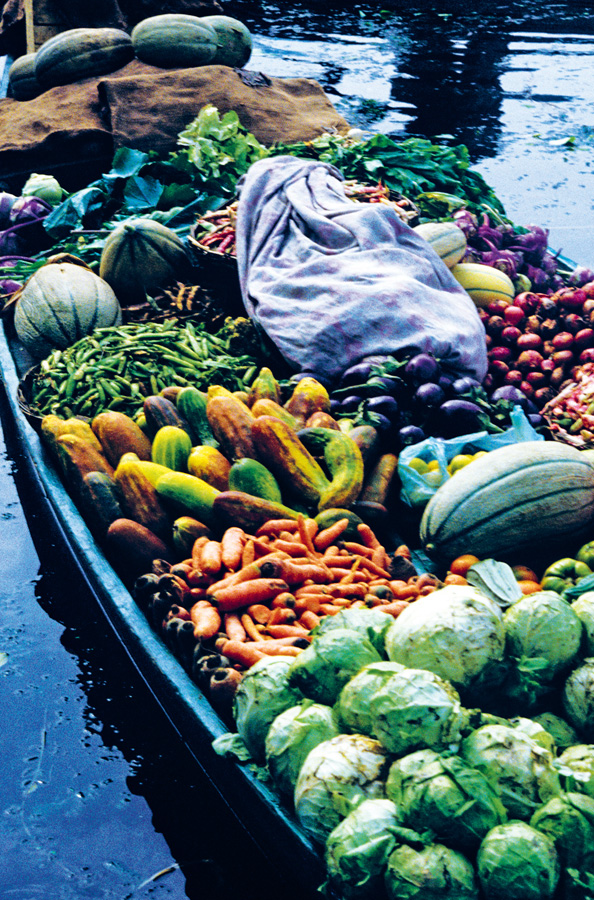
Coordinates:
x,y
97,793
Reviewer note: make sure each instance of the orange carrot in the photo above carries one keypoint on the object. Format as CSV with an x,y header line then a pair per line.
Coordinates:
x,y
196,548
380,557
293,548
281,616
242,653
286,650
275,526
286,600
232,544
403,550
310,588
248,554
210,557
258,590
346,576
328,536
354,547
178,612
307,530
328,609
246,573
394,608
206,619
233,627
340,561
309,603
357,590
281,631
294,573
250,628
309,619
371,566
280,642
368,536
259,613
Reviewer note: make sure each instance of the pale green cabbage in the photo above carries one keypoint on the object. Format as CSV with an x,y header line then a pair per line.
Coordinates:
x,y
583,607
353,701
569,821
579,760
291,736
263,693
433,872
578,699
517,862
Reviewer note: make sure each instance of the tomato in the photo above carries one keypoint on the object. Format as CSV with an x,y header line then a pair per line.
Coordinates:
x,y
462,564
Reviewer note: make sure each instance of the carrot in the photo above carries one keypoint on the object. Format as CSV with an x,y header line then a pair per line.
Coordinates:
x,y
368,536
233,627
250,628
339,561
297,574
403,550
281,616
281,631
196,548
232,544
357,590
261,547
210,557
178,612
248,554
328,536
394,608
380,557
293,548
354,547
286,600
280,642
309,619
275,526
350,577
309,603
259,613
328,609
206,619
286,650
242,653
258,590
346,576
307,530
372,567
309,588
246,573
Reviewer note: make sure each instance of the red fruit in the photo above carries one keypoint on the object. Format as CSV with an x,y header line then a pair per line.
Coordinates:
x,y
563,340
514,377
504,353
527,301
549,328
536,379
589,303
558,376
529,341
563,358
532,325
542,396
510,334
497,307
488,341
498,369
584,338
527,388
513,315
572,299
573,322
529,359
547,366
488,382
547,349
588,290
495,325
587,355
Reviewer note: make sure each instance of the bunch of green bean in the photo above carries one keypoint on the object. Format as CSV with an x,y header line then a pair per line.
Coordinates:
x,y
117,367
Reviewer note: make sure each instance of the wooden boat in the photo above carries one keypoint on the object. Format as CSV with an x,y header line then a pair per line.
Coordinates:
x,y
273,828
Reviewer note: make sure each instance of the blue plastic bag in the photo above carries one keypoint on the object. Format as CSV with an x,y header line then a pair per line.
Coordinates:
x,y
417,489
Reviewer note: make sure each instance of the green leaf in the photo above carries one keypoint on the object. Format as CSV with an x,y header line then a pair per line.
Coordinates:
x,y
142,194
127,162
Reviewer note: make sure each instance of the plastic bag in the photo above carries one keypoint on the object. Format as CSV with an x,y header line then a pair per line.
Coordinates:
x,y
417,489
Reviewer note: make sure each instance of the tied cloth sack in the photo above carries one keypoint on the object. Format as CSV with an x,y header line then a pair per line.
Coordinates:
x,y
332,281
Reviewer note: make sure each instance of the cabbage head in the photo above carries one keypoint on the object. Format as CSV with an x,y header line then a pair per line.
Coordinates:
x,y
353,701
583,607
263,693
517,862
291,736
560,730
334,778
434,872
370,623
441,793
536,731
579,759
569,822
414,709
455,632
578,699
357,850
522,769
333,657
543,626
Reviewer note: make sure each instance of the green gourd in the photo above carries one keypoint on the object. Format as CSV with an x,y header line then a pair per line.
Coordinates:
x,y
80,53
174,41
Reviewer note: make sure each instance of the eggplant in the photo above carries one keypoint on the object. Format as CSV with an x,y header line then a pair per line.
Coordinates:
x,y
421,368
299,376
464,385
350,404
429,395
511,393
384,404
411,434
361,371
456,417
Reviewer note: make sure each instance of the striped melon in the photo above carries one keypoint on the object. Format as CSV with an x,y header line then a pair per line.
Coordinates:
x,y
22,81
484,283
516,499
174,41
61,303
80,53
234,41
448,241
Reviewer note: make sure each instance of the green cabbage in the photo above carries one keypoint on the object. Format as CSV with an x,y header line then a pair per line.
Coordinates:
x,y
560,730
543,626
353,701
579,760
434,872
443,794
583,607
522,769
578,699
333,657
416,708
357,850
334,778
569,822
291,736
263,693
517,862
455,632
370,623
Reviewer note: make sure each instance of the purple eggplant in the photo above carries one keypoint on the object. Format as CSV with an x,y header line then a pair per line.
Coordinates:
x,y
299,376
511,393
429,395
464,385
455,417
411,434
385,404
421,368
350,404
361,371
9,286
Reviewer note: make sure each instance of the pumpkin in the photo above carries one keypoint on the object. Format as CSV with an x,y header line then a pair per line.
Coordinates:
x,y
141,256
82,53
448,241
22,81
484,283
517,499
174,41
234,41
61,303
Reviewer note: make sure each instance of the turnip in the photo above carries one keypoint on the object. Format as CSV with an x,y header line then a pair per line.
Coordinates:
x,y
529,359
563,340
584,338
510,334
513,315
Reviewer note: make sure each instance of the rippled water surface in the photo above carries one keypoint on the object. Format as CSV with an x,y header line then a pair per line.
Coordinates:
x,y
98,797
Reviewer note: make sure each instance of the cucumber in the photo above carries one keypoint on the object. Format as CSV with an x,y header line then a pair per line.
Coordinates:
x,y
328,517
252,477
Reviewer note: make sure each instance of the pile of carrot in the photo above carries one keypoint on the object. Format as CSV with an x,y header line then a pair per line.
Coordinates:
x,y
254,595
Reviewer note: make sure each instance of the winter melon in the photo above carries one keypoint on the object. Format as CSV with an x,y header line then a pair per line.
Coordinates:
x,y
22,81
174,41
234,41
61,303
82,53
448,241
484,283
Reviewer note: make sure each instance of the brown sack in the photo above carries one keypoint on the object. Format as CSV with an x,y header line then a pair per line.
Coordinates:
x,y
147,112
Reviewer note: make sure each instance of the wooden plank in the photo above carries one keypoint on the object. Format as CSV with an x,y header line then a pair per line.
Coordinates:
x,y
29,27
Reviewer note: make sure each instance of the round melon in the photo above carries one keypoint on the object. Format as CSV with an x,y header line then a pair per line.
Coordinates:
x,y
61,303
234,41
22,81
80,53
174,41
484,283
448,241
141,256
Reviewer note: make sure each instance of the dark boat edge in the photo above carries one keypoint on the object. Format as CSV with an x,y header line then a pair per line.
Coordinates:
x,y
256,807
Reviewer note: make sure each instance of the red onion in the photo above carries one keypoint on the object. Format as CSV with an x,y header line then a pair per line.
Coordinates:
x,y
495,325
584,338
529,359
572,299
563,357
536,379
549,328
504,353
563,340
498,368
558,376
527,301
510,334
573,322
530,341
527,389
514,377
497,307
587,355
513,315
